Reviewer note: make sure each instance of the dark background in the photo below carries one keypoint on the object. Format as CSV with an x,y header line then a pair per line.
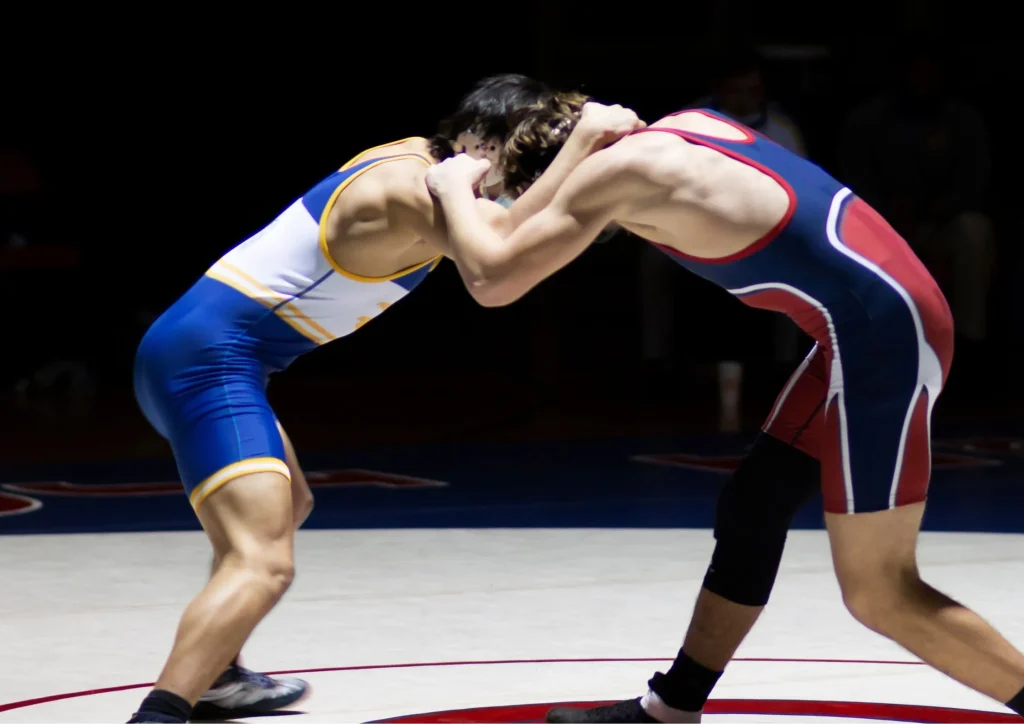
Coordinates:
x,y
163,136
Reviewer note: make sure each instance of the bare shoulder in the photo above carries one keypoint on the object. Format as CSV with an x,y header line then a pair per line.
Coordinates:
x,y
394,188
408,204
395,174
650,151
389,195
403,183
615,175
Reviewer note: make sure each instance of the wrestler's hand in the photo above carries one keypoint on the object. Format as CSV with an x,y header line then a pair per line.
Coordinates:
x,y
606,124
457,172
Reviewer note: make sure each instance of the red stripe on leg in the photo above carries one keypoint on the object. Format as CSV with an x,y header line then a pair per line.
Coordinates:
x,y
912,486
864,231
805,315
796,419
833,486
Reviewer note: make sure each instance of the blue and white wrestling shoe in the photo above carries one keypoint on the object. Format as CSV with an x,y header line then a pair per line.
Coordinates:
x,y
240,692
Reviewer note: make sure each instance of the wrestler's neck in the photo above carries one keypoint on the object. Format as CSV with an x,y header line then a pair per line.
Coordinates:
x,y
493,191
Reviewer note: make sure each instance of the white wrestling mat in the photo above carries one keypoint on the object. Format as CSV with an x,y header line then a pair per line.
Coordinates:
x,y
406,624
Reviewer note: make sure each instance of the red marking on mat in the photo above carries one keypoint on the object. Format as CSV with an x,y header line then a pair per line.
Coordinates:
x,y
777,707
996,445
63,487
711,463
729,463
17,504
369,477
439,664
952,461
317,479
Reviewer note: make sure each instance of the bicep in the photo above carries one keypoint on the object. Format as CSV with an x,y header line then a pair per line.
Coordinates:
x,y
425,217
495,216
581,209
553,237
554,228
541,246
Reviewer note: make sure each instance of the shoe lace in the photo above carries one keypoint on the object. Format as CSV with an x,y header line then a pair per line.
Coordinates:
x,y
255,678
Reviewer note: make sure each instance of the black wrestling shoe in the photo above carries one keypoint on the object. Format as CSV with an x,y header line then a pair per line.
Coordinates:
x,y
148,717
623,711
631,710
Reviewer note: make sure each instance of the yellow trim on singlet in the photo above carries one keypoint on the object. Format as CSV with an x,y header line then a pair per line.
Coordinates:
x,y
356,159
334,197
294,318
295,312
236,470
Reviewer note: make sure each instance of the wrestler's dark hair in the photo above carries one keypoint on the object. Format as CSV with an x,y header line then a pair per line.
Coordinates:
x,y
540,133
491,110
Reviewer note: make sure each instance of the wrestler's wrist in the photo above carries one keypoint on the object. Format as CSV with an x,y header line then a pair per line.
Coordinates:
x,y
588,136
451,189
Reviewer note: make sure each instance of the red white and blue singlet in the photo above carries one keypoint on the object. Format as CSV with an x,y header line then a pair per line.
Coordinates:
x,y
861,401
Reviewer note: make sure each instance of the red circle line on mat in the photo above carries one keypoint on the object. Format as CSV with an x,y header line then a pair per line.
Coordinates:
x,y
777,707
437,664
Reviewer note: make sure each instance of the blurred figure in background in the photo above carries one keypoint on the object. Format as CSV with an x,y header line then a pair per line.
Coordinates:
x,y
921,157
19,189
738,90
20,194
50,376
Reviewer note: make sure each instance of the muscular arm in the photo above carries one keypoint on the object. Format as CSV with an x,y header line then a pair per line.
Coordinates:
x,y
430,223
498,270
391,208
582,142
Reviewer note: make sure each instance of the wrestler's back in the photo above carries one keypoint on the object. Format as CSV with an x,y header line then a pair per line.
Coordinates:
x,y
361,231
704,204
333,260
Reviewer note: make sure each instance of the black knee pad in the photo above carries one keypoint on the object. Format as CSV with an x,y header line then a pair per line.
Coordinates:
x,y
755,510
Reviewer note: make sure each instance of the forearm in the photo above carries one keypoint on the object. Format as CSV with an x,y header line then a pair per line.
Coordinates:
x,y
474,246
499,270
580,144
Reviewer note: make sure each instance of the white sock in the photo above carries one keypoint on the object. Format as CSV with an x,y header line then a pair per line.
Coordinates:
x,y
657,708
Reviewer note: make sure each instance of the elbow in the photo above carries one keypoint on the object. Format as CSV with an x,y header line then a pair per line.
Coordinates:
x,y
494,283
493,293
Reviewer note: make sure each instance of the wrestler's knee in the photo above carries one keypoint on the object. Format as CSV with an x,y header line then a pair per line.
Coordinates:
x,y
771,484
271,568
250,521
875,599
753,517
875,557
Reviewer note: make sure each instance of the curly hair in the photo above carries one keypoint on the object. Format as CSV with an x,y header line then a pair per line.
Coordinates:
x,y
539,134
491,110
